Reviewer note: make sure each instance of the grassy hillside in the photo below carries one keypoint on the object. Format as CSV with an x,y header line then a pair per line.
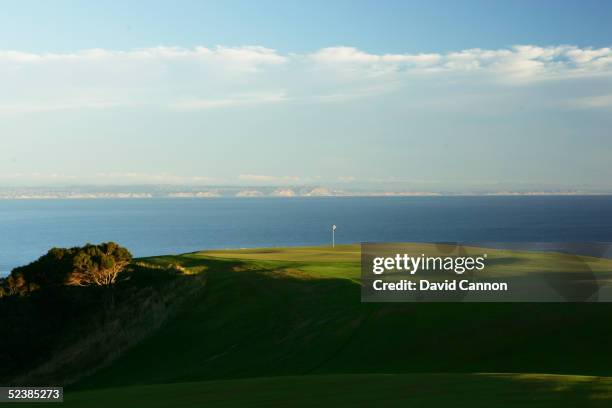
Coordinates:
x,y
369,390
293,312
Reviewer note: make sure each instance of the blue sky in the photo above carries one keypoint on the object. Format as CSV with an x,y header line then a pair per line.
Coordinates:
x,y
303,26
433,95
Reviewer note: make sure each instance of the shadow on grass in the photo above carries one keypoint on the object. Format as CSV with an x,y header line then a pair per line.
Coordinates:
x,y
368,390
242,319
254,319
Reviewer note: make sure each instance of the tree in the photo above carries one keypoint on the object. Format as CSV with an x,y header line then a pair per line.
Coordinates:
x,y
90,265
98,264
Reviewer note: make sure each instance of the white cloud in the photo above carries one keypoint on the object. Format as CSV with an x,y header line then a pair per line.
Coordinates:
x,y
103,178
148,178
237,100
354,55
260,178
242,57
37,176
201,78
521,61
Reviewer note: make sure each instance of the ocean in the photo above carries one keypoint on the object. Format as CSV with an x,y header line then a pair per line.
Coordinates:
x,y
28,228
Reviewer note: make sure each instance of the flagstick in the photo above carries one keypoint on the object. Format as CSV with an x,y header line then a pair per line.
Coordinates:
x,y
333,236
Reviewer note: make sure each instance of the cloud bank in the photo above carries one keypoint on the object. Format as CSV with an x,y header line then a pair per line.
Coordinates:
x,y
200,78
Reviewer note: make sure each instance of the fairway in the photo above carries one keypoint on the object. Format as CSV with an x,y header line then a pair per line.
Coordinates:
x,y
341,253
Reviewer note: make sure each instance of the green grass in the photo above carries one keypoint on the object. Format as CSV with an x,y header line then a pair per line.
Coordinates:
x,y
285,326
369,390
341,253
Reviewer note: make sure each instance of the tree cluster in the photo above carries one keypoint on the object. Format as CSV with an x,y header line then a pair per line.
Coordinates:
x,y
90,265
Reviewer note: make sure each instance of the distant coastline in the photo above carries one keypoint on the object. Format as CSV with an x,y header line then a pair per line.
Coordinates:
x,y
93,193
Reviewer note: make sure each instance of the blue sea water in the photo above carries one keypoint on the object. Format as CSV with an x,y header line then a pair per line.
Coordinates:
x,y
28,228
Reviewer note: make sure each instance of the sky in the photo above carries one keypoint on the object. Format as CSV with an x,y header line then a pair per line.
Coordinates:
x,y
436,95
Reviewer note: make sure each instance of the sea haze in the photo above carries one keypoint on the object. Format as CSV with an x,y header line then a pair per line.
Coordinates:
x,y
28,228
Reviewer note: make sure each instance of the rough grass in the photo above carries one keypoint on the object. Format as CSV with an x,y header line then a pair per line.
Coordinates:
x,y
96,340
